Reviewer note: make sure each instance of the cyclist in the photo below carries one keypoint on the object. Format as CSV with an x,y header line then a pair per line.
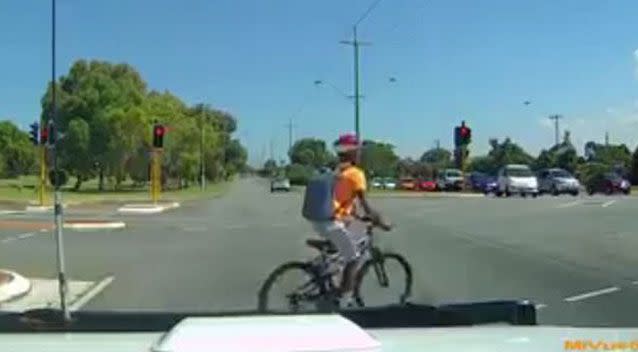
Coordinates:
x,y
350,187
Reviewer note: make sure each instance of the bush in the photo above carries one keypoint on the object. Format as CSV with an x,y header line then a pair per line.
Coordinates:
x,y
592,173
299,174
62,175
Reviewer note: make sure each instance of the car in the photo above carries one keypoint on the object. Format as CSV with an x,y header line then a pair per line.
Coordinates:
x,y
389,183
516,179
450,179
280,184
376,183
407,183
609,183
557,181
482,182
426,185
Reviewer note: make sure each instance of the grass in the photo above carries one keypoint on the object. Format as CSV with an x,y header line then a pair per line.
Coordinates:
x,y
23,191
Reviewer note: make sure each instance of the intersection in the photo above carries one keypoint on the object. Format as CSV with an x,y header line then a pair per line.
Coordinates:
x,y
574,257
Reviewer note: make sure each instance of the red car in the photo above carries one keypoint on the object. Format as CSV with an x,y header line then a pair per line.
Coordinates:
x,y
426,185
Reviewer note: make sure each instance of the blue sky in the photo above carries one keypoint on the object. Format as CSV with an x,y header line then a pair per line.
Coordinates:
x,y
452,60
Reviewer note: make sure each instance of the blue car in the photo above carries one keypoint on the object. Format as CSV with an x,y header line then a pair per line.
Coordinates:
x,y
483,183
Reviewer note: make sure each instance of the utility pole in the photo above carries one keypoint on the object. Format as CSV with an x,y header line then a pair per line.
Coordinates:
x,y
55,134
437,143
556,118
290,126
202,171
606,138
272,149
357,96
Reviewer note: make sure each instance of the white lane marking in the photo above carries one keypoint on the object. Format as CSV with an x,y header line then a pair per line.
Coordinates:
x,y
567,205
541,306
7,240
634,282
235,227
91,293
606,204
25,235
44,230
591,294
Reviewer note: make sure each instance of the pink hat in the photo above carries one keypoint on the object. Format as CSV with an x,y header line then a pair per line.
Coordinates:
x,y
346,143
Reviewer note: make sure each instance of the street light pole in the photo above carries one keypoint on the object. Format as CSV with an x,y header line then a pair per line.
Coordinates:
x,y
355,44
556,131
202,172
62,283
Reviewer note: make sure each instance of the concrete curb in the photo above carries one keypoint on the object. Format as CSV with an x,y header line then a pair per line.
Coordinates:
x,y
17,287
426,195
94,225
147,208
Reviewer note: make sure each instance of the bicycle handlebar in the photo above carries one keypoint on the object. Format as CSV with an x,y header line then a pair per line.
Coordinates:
x,y
374,222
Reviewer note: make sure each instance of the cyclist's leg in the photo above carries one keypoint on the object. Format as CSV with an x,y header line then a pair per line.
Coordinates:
x,y
337,233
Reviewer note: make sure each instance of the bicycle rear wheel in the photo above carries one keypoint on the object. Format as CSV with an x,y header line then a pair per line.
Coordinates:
x,y
296,292
384,279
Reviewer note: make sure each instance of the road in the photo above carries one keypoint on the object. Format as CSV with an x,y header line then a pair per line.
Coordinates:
x,y
575,257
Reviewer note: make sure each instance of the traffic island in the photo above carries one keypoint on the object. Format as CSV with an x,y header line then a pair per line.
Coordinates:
x,y
147,208
12,286
93,225
38,208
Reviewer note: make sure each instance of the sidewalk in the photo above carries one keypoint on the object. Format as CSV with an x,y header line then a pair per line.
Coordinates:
x,y
12,286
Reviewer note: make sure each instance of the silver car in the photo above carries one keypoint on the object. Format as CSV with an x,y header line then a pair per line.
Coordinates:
x,y
557,181
280,184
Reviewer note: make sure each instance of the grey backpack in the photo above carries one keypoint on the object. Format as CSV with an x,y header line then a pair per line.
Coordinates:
x,y
318,203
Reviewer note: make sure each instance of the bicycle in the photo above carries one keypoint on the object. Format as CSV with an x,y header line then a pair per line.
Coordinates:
x,y
321,273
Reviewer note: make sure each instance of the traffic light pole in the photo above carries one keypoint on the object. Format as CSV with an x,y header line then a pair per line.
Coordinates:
x,y
59,240
43,174
155,188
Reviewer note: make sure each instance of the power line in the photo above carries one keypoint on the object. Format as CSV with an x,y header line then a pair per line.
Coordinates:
x,y
368,11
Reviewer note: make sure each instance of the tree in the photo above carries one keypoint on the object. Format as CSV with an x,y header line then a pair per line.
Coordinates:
x,y
18,153
378,159
439,158
270,167
618,157
76,155
107,114
299,174
507,152
482,164
310,152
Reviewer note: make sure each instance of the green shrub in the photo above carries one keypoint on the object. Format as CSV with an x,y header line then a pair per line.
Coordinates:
x,y
299,174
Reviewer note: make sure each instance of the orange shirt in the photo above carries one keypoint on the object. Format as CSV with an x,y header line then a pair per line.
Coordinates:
x,y
350,180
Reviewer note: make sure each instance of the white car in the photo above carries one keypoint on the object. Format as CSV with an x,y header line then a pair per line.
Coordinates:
x,y
450,179
280,184
516,179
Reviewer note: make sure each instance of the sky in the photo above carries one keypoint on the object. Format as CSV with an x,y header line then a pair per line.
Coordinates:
x,y
452,60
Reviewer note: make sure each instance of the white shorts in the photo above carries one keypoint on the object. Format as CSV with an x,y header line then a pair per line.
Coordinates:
x,y
344,239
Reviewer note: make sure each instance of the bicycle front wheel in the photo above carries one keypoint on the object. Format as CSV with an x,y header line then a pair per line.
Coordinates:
x,y
384,279
289,288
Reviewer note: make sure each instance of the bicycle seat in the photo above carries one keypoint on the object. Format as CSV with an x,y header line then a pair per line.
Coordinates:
x,y
321,245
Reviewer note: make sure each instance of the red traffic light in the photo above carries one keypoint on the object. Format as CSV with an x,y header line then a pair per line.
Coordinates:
x,y
464,132
159,131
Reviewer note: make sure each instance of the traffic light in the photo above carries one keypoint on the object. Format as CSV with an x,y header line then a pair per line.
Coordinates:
x,y
44,135
158,135
35,127
466,135
462,135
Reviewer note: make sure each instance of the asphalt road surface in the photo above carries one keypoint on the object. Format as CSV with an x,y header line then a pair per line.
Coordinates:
x,y
575,257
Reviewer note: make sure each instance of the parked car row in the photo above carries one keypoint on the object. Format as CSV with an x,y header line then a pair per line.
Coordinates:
x,y
520,180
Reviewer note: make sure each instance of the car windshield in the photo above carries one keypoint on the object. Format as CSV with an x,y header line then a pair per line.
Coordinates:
x,y
561,173
519,172
178,155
